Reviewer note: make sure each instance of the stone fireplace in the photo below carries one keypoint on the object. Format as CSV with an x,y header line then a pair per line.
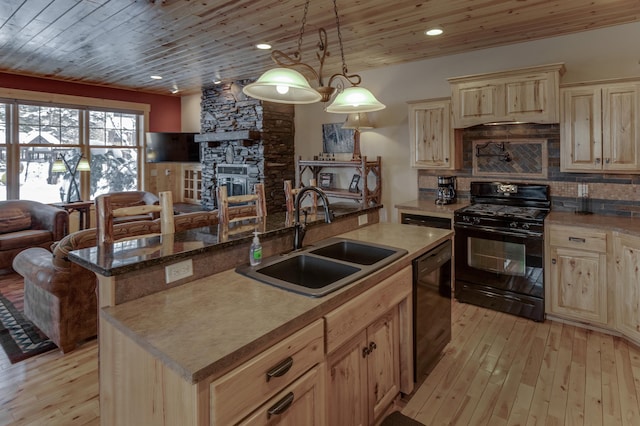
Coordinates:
x,y
239,133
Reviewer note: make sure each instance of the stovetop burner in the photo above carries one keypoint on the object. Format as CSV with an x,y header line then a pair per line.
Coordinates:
x,y
514,207
527,213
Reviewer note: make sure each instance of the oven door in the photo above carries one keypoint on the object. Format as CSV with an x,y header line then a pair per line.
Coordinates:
x,y
510,262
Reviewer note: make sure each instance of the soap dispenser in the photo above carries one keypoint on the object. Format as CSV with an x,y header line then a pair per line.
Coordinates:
x,y
255,251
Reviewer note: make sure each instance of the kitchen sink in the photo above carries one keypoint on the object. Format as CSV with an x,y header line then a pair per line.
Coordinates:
x,y
308,271
324,267
354,252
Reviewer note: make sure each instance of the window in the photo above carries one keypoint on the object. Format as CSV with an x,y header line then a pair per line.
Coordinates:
x,y
41,132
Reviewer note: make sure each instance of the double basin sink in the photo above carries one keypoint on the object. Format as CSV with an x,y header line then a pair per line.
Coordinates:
x,y
324,267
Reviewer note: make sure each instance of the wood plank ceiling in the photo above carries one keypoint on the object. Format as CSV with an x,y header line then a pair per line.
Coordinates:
x,y
190,43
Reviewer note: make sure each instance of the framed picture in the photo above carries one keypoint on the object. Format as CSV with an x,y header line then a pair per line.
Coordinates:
x,y
326,180
335,139
353,186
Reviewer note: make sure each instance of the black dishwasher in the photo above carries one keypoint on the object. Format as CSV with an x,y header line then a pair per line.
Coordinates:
x,y
431,308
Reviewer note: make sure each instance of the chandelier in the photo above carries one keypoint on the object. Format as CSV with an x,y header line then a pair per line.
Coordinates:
x,y
289,86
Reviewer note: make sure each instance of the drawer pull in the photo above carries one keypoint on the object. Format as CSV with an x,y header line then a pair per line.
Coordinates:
x,y
577,240
280,406
280,369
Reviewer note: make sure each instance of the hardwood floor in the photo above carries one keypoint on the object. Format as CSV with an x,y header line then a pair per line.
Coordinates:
x,y
498,370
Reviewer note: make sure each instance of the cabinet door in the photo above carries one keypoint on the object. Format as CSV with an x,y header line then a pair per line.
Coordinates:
x,y
302,403
627,264
430,134
476,102
581,129
532,98
620,112
382,363
578,285
347,383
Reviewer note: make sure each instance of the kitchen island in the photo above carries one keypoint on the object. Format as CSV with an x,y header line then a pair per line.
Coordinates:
x,y
180,342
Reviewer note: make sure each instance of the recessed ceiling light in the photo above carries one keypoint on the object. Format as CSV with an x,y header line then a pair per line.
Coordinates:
x,y
156,77
434,31
263,46
217,81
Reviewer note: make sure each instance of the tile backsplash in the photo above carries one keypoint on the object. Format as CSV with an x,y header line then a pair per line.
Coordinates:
x,y
610,194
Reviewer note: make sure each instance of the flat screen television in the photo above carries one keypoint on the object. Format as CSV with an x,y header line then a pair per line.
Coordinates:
x,y
172,147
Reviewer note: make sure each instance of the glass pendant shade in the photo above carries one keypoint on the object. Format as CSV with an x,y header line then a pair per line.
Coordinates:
x,y
358,121
83,165
282,85
58,166
355,99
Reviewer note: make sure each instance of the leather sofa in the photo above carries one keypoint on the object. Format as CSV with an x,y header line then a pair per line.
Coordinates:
x,y
60,296
25,224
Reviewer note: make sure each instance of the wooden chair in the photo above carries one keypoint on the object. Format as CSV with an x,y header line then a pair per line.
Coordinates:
x,y
106,214
290,197
242,213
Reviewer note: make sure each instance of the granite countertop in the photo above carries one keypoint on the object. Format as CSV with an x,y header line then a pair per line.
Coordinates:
x,y
239,317
628,225
430,207
125,256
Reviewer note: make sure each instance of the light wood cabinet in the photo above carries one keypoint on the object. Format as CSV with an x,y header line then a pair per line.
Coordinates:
x,y
627,278
599,128
577,272
525,95
369,344
302,403
192,183
431,134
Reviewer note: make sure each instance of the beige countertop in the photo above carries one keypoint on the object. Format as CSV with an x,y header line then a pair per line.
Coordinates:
x,y
629,225
209,326
430,207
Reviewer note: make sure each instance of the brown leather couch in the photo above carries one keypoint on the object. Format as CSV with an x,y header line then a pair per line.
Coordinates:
x,y
25,224
60,296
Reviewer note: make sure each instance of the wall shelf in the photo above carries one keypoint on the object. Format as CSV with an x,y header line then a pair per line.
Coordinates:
x,y
363,167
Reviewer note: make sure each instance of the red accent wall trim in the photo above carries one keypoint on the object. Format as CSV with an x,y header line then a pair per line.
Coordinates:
x,y
164,115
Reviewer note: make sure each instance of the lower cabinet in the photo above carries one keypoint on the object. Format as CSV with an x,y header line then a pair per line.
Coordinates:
x,y
577,272
301,403
369,344
363,374
626,251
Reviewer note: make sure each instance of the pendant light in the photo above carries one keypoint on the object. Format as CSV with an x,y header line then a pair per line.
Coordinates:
x,y
286,85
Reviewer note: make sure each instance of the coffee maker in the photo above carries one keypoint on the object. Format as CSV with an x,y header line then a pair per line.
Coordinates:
x,y
446,193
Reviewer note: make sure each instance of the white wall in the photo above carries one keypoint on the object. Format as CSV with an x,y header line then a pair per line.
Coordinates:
x,y
594,55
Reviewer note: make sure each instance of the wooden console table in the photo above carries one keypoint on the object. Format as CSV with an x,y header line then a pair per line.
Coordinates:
x,y
83,208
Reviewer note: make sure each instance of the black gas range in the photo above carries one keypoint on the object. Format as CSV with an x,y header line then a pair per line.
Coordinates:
x,y
500,247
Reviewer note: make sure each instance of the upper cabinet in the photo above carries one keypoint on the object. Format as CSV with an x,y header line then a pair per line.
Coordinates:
x,y
523,95
431,134
599,128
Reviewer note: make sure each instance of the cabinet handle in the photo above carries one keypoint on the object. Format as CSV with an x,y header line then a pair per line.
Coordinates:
x,y
597,161
280,406
280,369
365,351
553,261
608,160
577,240
372,346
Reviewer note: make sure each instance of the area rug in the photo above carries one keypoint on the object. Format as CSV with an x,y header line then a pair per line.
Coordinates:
x,y
19,338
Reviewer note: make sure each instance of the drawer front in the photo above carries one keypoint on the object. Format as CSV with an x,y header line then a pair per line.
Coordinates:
x,y
578,238
301,403
244,389
344,322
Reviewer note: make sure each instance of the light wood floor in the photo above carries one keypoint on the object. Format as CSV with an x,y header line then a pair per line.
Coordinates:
x,y
498,370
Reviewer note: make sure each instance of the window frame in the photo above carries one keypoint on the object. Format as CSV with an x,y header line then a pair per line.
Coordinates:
x,y
13,97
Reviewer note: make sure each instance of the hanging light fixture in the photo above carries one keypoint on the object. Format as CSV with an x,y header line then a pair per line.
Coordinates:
x,y
357,121
289,86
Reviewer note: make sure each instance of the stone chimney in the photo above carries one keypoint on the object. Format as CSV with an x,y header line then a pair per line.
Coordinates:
x,y
237,129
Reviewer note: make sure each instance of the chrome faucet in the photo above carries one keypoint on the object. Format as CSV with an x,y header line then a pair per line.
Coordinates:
x,y
299,228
